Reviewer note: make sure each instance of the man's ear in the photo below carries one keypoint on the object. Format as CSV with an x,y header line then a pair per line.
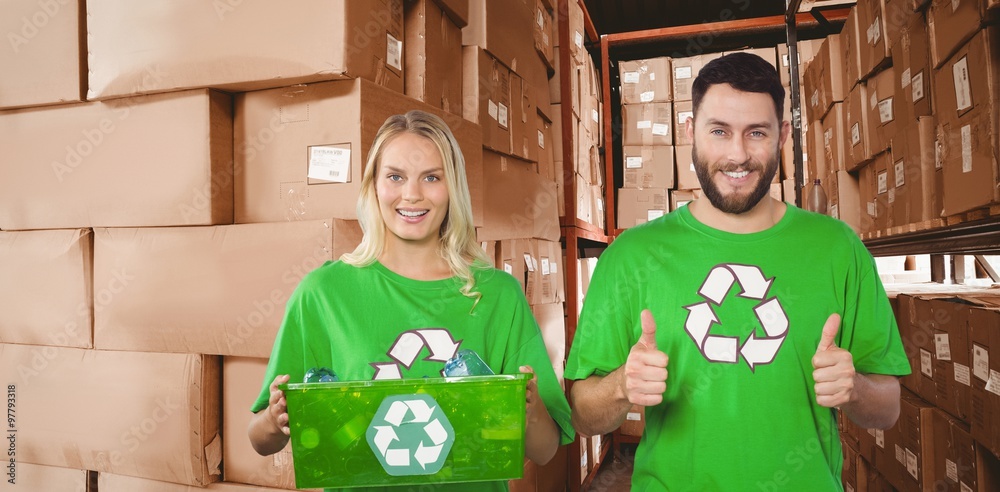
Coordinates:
x,y
786,130
689,128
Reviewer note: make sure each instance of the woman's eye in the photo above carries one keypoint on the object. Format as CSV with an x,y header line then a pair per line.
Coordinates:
x,y
394,177
432,178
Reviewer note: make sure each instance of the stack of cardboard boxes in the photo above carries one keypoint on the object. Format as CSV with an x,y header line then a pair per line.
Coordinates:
x,y
171,170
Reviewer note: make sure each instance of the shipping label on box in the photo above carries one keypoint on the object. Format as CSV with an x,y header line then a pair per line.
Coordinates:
x,y
645,81
648,167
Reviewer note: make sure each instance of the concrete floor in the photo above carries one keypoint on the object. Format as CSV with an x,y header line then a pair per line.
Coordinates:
x,y
615,474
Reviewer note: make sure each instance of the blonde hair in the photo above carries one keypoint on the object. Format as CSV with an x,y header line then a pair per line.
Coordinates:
x,y
458,235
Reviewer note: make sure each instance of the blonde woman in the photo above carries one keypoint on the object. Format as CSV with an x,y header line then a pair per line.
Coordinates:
x,y
418,268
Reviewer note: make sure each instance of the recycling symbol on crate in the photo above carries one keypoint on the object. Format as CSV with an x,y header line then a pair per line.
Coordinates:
x,y
410,435
753,285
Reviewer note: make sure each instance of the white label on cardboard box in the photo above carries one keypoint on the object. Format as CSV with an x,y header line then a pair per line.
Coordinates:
x,y
502,114
993,385
578,39
661,129
900,454
545,38
911,463
835,211
784,60
827,136
540,18
329,164
967,149
653,214
873,100
848,487
880,438
643,124
942,346
633,162
871,432
492,109
855,134
966,488
508,268
892,196
553,268
918,86
529,262
926,363
962,374
899,170
885,110
963,93
980,362
937,155
869,35
951,470
682,73
545,265
883,182
683,116
814,99
393,52
877,30
630,78
633,416
954,5
541,140
871,208
904,79
652,75
647,96
594,115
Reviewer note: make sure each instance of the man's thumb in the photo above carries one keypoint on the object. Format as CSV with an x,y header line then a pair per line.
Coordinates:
x,y
830,329
648,338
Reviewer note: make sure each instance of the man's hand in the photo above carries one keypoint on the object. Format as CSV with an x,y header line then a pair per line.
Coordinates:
x,y
277,408
833,368
645,374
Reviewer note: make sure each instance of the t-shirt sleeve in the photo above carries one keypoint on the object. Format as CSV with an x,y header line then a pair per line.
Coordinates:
x,y
871,333
604,333
287,354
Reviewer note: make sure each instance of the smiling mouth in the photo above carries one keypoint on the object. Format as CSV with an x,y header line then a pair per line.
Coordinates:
x,y
736,174
412,213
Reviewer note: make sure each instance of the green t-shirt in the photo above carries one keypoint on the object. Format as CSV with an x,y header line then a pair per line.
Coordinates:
x,y
367,323
740,318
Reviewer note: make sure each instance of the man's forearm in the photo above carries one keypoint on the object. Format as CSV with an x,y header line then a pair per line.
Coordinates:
x,y
599,405
875,402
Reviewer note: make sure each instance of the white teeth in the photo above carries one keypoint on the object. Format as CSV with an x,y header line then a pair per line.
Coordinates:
x,y
736,175
411,213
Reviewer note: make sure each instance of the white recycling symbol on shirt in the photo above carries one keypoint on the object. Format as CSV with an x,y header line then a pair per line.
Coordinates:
x,y
407,347
410,435
755,350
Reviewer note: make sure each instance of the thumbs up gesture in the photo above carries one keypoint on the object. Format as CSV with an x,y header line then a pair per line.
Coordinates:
x,y
645,370
833,368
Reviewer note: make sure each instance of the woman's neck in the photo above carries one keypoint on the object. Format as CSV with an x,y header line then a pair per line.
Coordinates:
x,y
418,262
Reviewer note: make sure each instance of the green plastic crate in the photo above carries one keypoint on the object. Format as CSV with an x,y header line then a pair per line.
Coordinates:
x,y
407,432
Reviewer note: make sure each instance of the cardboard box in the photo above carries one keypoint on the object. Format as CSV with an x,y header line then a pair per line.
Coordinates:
x,y
648,167
911,60
849,472
552,322
831,65
881,105
843,198
523,128
597,201
647,124
683,111
162,160
788,193
544,34
880,181
232,281
548,143
584,200
984,407
575,25
834,139
855,119
285,137
916,471
518,203
635,422
950,25
121,483
432,56
242,379
555,85
44,58
640,206
806,49
645,81
164,45
966,100
932,175
686,70
28,476
875,39
46,280
906,176
486,87
153,416
687,178
815,167
457,10
954,454
850,48
501,28
528,482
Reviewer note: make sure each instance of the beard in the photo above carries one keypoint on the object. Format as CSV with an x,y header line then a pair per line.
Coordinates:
x,y
737,202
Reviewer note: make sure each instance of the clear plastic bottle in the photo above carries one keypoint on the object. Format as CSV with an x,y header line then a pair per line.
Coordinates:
x,y
466,363
817,198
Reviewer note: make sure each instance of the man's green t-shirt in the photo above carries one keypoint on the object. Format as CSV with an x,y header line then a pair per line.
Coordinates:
x,y
371,323
740,318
